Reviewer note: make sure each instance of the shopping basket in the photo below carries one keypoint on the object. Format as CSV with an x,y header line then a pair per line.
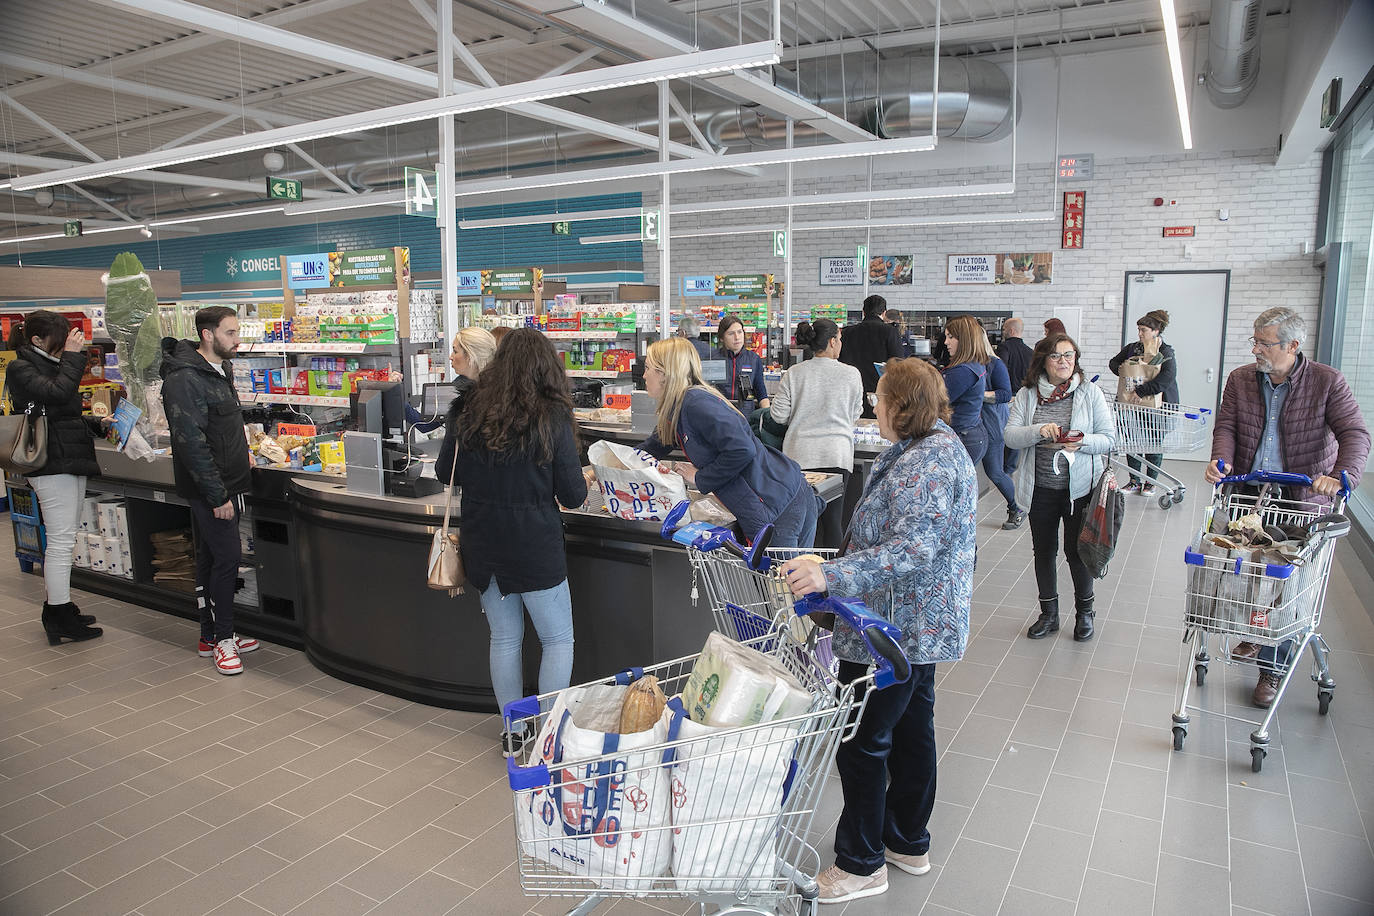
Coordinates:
x,y
720,815
1144,430
1264,594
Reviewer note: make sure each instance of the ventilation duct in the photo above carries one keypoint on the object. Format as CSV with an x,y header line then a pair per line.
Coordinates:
x,y
1233,50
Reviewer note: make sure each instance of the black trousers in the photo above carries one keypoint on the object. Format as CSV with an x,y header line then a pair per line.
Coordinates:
x,y
887,772
218,552
1049,510
830,524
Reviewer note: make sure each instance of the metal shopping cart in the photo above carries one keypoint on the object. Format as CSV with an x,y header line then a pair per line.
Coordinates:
x,y
1142,430
719,815
1262,594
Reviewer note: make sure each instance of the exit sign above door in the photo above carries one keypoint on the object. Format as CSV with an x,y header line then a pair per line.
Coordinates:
x,y
1179,232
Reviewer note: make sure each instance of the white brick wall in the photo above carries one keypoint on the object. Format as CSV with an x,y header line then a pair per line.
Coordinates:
x,y
1272,213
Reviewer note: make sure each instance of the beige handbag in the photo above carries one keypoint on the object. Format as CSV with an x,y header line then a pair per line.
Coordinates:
x,y
24,439
445,559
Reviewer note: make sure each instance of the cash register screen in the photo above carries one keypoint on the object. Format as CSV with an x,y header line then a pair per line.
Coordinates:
x,y
435,399
713,370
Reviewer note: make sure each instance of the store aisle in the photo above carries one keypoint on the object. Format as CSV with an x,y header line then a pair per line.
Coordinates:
x,y
134,779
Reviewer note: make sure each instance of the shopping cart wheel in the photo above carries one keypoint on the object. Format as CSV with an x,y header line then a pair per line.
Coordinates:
x,y
1257,755
1178,495
1201,673
1324,701
1166,501
1179,734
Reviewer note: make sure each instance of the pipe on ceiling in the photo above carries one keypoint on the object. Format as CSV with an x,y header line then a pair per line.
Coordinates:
x,y
1233,50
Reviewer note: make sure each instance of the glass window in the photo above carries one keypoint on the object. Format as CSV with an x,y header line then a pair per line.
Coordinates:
x,y
1351,221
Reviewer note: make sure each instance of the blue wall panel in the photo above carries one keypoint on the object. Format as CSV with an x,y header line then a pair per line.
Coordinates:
x,y
513,246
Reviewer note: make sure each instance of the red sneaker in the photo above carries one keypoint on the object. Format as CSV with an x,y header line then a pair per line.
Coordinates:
x,y
243,643
227,657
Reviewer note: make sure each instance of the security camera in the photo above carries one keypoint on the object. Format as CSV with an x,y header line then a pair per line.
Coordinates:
x,y
145,232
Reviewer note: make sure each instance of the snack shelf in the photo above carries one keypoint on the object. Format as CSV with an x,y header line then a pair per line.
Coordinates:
x,y
588,335
338,346
309,400
591,373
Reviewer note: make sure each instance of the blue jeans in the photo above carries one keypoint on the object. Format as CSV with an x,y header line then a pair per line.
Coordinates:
x,y
796,525
896,739
551,611
975,440
993,467
1282,654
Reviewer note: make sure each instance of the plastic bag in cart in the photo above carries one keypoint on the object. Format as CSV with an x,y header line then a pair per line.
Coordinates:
x,y
728,789
602,819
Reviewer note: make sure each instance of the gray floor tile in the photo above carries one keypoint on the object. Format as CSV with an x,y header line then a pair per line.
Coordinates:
x,y
1197,779
1189,886
1020,900
1126,845
1107,893
1055,692
1263,878
1326,804
1040,726
303,879
1195,831
1085,756
982,736
1337,863
1023,767
1101,718
1070,803
429,895
335,900
1002,817
1052,862
1324,904
1262,817
975,879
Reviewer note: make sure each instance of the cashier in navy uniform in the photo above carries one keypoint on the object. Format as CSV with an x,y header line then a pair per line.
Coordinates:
x,y
743,368
759,485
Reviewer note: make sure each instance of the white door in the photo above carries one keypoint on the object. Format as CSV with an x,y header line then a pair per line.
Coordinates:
x,y
1196,303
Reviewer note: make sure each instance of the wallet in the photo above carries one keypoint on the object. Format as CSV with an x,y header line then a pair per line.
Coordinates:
x,y
1068,437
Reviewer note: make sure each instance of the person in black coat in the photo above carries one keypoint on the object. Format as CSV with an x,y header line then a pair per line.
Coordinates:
x,y
1017,356
44,378
870,341
517,462
1152,350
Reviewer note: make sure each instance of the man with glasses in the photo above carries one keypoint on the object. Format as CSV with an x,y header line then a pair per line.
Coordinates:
x,y
1287,413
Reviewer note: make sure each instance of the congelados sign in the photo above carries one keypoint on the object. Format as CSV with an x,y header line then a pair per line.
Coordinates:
x,y
259,265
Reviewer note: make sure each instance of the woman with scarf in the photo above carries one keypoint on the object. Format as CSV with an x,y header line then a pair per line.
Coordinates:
x,y
1064,430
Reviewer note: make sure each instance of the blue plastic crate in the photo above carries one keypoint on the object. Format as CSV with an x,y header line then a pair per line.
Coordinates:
x,y
29,539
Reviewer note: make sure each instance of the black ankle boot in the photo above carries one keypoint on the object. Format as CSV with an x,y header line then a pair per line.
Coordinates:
x,y
71,610
60,622
1083,621
1048,621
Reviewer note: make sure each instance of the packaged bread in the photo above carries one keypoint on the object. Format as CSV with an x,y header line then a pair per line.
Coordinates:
x,y
643,705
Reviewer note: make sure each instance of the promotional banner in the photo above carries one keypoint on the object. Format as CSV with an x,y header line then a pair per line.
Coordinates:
x,y
890,269
308,271
745,286
699,286
972,268
469,283
517,281
259,265
1017,268
841,272
368,267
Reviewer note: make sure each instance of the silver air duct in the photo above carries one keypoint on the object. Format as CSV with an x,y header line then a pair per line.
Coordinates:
x,y
1233,50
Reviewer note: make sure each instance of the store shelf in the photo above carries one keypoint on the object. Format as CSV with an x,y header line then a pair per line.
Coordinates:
x,y
591,373
588,335
305,399
337,346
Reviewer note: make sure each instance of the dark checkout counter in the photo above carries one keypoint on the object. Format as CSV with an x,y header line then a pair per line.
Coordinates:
x,y
342,575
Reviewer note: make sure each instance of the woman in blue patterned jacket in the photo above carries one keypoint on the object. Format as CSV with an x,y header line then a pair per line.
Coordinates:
x,y
910,557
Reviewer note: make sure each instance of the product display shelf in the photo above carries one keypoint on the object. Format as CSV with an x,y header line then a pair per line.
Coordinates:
x,y
592,373
307,400
588,335
340,347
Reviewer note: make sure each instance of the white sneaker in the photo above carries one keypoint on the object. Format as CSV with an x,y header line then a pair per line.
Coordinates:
x,y
244,644
912,865
839,886
227,657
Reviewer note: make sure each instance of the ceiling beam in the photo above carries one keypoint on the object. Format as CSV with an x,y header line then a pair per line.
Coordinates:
x,y
227,25
198,42
316,165
156,177
138,90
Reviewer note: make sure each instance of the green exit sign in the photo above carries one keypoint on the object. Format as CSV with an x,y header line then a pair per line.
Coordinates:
x,y
562,228
71,228
283,189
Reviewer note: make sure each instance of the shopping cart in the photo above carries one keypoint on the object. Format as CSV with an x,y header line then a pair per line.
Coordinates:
x,y
722,816
1257,594
1143,430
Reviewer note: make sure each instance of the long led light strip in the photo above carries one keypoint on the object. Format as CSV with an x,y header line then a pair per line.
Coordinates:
x,y
679,66
897,222
62,235
347,202
609,239
534,219
1166,9
857,197
231,214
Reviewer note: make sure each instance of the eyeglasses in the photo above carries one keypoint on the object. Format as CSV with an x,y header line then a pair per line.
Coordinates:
x,y
1256,342
1065,357
872,398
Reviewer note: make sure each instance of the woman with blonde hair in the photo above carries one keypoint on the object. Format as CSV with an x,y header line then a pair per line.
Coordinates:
x,y
759,485
473,350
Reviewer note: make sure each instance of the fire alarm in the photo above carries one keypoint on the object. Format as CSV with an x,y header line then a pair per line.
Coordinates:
x,y
1159,201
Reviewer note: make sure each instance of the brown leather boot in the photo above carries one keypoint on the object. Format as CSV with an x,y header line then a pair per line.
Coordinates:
x,y
1267,689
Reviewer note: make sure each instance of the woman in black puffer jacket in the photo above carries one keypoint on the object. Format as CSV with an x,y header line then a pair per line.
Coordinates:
x,y
1153,351
51,360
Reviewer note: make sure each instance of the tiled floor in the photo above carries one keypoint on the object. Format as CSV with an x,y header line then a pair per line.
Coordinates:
x,y
133,779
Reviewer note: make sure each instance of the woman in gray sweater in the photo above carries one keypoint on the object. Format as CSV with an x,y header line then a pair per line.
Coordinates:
x,y
820,400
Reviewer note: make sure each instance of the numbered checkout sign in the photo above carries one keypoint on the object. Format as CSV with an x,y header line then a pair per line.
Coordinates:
x,y
649,229
422,192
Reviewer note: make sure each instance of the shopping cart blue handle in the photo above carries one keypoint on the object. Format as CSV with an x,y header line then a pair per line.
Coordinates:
x,y
707,537
1283,478
883,639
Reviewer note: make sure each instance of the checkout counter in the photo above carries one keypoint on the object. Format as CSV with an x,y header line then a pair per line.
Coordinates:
x,y
342,575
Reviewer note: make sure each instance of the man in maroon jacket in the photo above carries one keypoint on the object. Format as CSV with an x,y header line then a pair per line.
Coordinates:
x,y
1287,413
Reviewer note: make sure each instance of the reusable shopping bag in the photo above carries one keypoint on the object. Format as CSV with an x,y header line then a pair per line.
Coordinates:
x,y
1102,520
1132,373
602,819
633,483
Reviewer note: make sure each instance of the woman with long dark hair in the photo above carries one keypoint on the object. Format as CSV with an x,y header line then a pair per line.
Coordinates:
x,y
517,461
1058,400
743,368
45,376
820,400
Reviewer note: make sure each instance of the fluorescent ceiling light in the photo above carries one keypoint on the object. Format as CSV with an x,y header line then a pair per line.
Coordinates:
x,y
1166,9
62,235
353,202
609,239
679,66
209,216
856,197
703,164
954,219
534,219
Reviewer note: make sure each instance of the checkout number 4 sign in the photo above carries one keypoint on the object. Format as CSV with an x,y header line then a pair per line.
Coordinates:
x,y
421,199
